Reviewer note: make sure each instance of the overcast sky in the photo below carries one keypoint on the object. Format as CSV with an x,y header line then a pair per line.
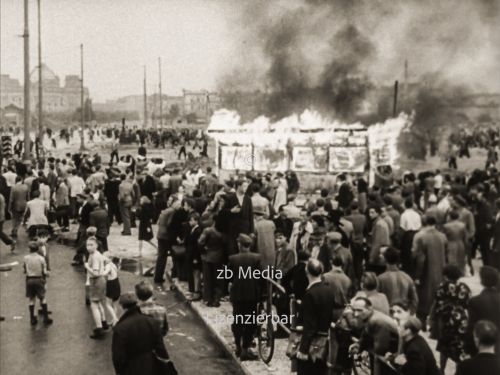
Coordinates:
x,y
119,37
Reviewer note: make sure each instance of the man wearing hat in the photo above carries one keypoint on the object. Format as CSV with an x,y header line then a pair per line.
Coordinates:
x,y
333,248
137,339
244,295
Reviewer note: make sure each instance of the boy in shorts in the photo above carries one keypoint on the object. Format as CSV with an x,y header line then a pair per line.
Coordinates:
x,y
35,268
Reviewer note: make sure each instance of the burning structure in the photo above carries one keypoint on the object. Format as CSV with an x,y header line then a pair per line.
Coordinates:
x,y
337,56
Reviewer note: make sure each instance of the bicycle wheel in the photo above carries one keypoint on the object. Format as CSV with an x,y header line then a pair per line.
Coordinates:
x,y
265,338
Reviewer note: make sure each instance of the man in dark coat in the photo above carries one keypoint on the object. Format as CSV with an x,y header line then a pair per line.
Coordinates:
x,y
244,295
484,306
418,356
240,210
99,218
318,309
135,337
429,251
486,362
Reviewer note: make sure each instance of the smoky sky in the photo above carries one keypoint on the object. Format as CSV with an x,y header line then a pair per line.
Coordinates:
x,y
329,54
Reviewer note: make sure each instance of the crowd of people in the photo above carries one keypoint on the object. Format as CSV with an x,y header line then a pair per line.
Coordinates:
x,y
381,262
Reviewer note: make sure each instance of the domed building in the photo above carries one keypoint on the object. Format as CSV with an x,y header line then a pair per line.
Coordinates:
x,y
56,98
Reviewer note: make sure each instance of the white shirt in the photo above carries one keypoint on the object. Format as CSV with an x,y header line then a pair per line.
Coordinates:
x,y
10,178
76,185
438,181
444,205
410,220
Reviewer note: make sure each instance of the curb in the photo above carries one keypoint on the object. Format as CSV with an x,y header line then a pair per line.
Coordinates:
x,y
216,334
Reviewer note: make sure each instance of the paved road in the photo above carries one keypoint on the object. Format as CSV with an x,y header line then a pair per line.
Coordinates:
x,y
65,346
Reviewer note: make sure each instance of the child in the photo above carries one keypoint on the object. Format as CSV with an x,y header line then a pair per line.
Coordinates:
x,y
113,288
97,287
36,272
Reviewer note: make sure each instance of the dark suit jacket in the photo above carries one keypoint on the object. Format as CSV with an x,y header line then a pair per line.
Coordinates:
x,y
99,219
18,197
243,221
135,337
419,358
295,281
484,306
244,288
317,312
481,364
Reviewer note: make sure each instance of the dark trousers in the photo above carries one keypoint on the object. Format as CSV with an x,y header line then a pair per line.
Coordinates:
x,y
212,286
73,207
483,242
114,212
4,237
164,250
357,259
182,151
62,216
406,257
114,154
104,242
244,332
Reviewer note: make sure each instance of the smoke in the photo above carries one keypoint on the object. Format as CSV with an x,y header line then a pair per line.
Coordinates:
x,y
334,55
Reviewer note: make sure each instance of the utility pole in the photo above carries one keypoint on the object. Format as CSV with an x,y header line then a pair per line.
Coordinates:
x,y
145,101
82,112
161,98
27,83
40,106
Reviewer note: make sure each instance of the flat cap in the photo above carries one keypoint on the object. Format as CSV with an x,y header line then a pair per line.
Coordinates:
x,y
128,299
245,239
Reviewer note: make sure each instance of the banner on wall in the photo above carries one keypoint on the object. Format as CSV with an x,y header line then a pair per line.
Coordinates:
x,y
236,157
347,159
270,159
309,159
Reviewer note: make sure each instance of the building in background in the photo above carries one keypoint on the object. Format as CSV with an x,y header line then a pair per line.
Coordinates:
x,y
56,97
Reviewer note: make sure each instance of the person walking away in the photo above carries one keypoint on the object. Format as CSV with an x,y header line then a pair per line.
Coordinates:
x,y
99,218
486,361
265,242
211,242
147,305
456,235
448,316
36,272
380,237
17,204
410,223
484,306
193,255
95,267
4,237
397,285
76,186
114,150
165,238
126,198
137,340
429,250
62,204
245,293
36,212
145,215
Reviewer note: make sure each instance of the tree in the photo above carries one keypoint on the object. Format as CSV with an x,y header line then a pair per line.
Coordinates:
x,y
174,111
191,118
